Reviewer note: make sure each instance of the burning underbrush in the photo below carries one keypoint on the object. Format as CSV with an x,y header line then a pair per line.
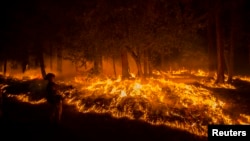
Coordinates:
x,y
158,101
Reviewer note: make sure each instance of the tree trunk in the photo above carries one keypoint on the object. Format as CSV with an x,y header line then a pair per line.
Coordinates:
x,y
145,63
162,62
113,60
150,68
51,57
211,44
41,63
1,66
139,67
25,62
248,44
5,67
98,64
220,48
24,66
125,65
59,59
137,58
233,39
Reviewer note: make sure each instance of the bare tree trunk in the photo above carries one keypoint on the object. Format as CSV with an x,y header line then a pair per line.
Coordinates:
x,y
231,56
137,57
25,62
139,67
5,67
41,63
248,44
59,59
1,66
145,63
233,39
150,68
210,35
113,60
51,57
125,66
24,66
220,47
97,62
162,62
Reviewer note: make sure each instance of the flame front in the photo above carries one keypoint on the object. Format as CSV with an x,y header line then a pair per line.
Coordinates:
x,y
156,101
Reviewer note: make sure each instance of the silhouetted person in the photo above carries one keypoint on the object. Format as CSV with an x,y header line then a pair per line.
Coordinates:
x,y
54,99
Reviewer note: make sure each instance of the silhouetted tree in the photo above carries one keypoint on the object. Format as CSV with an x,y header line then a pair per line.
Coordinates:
x,y
219,43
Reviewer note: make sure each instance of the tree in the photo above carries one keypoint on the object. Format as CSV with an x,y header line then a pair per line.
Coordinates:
x,y
235,23
219,44
210,36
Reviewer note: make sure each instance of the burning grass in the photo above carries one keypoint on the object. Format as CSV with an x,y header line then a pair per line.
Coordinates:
x,y
158,101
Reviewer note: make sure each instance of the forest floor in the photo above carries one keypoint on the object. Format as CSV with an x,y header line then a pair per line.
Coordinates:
x,y
30,122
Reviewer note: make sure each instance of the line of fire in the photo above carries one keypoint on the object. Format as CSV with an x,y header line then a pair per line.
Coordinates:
x,y
175,64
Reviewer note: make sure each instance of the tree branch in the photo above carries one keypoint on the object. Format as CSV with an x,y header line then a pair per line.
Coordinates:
x,y
132,52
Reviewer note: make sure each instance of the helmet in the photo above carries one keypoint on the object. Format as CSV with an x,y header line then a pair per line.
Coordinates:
x,y
49,76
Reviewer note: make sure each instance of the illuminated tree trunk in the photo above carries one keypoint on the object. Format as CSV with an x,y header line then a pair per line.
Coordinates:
x,y
137,58
145,63
139,67
59,59
249,49
211,44
233,38
24,66
125,66
220,48
150,67
25,61
98,64
51,57
162,61
1,66
4,67
41,63
113,60
231,50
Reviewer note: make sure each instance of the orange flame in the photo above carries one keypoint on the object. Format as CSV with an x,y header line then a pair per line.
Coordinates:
x,y
158,101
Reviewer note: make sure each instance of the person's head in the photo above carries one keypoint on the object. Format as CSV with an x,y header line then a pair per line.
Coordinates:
x,y
50,77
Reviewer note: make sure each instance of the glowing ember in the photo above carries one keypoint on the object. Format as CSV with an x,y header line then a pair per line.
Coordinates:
x,y
244,119
200,73
26,98
245,78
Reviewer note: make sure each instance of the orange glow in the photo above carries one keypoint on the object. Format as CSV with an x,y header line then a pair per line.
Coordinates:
x,y
158,101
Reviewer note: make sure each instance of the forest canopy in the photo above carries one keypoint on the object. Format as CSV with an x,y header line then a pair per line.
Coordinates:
x,y
151,34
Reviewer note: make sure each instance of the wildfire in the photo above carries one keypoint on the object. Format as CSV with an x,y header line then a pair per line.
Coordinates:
x,y
29,74
245,78
158,101
26,98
